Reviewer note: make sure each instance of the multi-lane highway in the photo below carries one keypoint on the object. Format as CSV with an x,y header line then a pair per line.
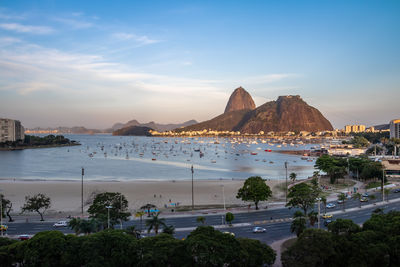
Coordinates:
x,y
276,221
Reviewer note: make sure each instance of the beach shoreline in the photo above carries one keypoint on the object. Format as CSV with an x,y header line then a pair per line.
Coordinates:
x,y
165,194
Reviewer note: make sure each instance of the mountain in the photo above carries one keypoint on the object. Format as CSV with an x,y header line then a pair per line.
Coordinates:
x,y
153,125
287,113
240,100
133,130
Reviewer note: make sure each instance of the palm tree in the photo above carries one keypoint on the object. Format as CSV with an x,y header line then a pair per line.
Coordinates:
x,y
155,223
357,196
292,177
342,197
81,226
170,229
74,225
201,219
298,224
386,192
147,208
140,214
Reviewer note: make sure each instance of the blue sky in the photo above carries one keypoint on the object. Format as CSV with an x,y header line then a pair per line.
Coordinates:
x,y
94,63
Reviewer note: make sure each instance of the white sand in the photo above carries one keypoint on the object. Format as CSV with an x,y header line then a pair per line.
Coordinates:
x,y
66,196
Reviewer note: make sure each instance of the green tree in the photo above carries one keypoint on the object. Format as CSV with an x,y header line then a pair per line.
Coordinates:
x,y
147,208
343,226
38,203
313,217
82,226
229,217
302,196
201,219
293,177
169,229
6,207
342,197
209,247
131,230
254,189
255,253
299,223
372,170
154,223
324,202
357,197
313,248
334,167
98,210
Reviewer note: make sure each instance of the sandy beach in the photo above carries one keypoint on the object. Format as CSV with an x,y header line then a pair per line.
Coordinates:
x,y
66,195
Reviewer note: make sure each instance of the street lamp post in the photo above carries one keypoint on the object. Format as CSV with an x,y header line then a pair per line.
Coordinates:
x,y
108,216
223,196
383,183
1,214
83,173
120,210
192,170
286,166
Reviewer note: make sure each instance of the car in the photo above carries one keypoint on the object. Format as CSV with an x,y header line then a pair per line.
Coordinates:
x,y
396,190
340,201
327,216
60,224
3,227
229,233
327,222
365,195
364,199
24,237
330,206
259,230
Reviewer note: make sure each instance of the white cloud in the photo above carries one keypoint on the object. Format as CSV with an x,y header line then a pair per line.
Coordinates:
x,y
4,41
26,28
268,78
141,39
77,24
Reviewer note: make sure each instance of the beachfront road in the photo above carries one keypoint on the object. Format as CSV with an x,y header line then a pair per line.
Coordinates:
x,y
276,221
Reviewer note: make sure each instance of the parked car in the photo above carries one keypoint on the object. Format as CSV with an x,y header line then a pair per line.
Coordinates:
x,y
24,237
327,216
330,206
365,195
340,201
364,199
61,224
327,222
259,230
396,190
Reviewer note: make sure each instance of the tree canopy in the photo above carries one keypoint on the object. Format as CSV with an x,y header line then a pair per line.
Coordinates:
x,y
38,203
302,196
255,190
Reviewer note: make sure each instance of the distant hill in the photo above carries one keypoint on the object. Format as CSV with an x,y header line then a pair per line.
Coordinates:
x,y
240,100
133,130
287,113
153,125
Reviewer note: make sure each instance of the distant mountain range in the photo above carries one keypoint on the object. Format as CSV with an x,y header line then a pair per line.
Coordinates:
x,y
287,113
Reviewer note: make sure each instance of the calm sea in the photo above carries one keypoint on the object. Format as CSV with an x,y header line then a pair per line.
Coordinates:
x,y
106,157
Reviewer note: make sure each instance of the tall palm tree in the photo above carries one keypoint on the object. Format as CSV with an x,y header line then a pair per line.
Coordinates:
x,y
155,223
357,196
342,197
140,215
201,219
324,201
169,229
298,224
82,226
74,225
313,218
292,177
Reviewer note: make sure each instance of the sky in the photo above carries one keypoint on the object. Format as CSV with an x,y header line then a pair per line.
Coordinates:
x,y
95,63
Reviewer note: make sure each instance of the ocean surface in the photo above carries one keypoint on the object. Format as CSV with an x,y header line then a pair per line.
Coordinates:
x,y
117,158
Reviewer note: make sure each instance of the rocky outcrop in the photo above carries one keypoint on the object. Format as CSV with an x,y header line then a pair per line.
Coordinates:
x,y
240,99
133,130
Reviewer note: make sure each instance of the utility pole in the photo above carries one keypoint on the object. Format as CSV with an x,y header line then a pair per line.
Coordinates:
x,y
383,183
319,205
83,173
286,188
1,214
192,188
120,210
223,196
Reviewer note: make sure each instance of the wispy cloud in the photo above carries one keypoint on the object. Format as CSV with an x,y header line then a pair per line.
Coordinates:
x,y
268,78
77,24
8,40
141,39
26,28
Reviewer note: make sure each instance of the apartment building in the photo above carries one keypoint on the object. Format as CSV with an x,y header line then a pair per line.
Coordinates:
x,y
11,130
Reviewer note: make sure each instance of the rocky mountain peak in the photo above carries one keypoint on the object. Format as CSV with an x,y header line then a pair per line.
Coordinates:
x,y
240,99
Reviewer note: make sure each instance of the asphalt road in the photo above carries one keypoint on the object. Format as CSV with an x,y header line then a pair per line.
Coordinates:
x,y
276,221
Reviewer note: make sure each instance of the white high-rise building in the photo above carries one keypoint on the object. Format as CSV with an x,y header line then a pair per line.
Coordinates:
x,y
395,128
11,130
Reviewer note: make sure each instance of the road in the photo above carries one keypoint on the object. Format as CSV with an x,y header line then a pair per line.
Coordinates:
x,y
276,221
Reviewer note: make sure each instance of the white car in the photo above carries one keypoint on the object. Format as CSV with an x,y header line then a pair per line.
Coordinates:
x,y
259,230
61,224
330,206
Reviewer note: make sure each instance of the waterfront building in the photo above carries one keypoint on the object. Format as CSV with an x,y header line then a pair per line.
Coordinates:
x,y
354,128
11,130
395,128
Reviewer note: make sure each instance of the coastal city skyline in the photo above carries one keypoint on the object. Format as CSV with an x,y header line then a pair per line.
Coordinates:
x,y
79,64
